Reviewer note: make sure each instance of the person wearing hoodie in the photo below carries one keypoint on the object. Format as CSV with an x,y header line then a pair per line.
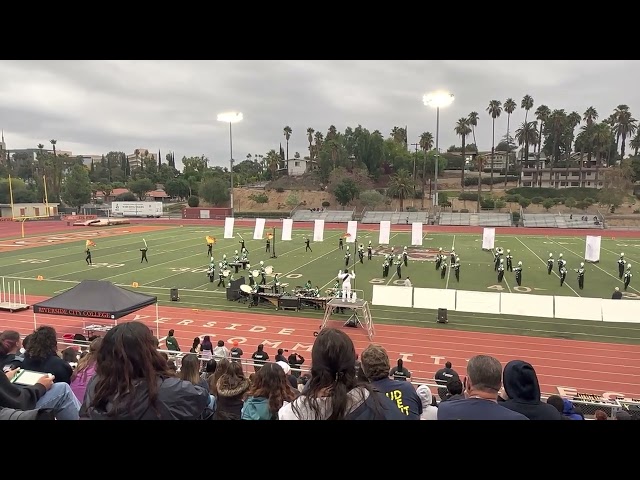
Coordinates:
x,y
220,351
269,391
133,381
429,412
522,390
231,388
564,406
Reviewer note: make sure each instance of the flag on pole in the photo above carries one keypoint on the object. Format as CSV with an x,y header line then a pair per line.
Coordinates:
x,y
90,243
210,240
145,243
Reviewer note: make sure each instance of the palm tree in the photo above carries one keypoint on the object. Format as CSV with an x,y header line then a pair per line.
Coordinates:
x,y
426,144
401,185
319,138
590,115
287,135
625,126
332,133
272,160
542,114
556,127
614,119
310,132
473,123
463,129
573,120
602,139
526,135
494,109
526,105
509,107
635,144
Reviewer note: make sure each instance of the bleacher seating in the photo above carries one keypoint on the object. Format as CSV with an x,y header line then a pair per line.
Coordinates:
x,y
494,219
329,216
552,220
448,218
396,217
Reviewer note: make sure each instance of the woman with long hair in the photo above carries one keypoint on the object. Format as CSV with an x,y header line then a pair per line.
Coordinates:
x,y
133,381
333,391
221,369
269,391
42,355
85,370
190,371
206,347
231,387
195,346
10,348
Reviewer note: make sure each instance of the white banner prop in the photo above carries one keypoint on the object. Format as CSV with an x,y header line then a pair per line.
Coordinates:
x,y
352,229
416,234
259,230
287,228
385,232
592,249
488,238
318,230
228,227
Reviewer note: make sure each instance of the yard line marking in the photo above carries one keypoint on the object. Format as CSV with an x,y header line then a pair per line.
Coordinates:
x,y
545,263
453,247
598,267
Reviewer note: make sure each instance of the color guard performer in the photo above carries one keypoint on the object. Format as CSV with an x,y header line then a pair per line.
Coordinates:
x,y
456,269
369,251
509,258
307,248
405,257
561,262
341,244
550,264
385,268
500,270
627,277
563,275
361,253
144,258
580,272
209,249
443,269
88,257
518,271
276,284
621,263
220,275
242,247
268,246
347,257
263,274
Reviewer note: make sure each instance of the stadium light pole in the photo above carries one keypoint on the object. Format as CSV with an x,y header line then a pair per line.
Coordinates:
x,y
438,99
230,118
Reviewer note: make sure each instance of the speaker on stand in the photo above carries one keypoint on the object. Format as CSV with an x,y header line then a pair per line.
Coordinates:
x,y
173,294
442,315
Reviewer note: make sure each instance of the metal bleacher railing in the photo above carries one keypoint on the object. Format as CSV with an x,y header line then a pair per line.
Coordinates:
x,y
587,403
553,220
396,218
329,216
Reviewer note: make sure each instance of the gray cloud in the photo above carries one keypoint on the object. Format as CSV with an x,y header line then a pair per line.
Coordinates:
x,y
92,107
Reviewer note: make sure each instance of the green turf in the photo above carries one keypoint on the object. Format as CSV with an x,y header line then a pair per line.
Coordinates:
x,y
177,258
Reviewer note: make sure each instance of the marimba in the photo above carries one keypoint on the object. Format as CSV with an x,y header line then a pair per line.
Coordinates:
x,y
317,302
272,298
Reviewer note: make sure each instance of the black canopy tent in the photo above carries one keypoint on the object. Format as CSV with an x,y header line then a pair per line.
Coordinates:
x,y
95,299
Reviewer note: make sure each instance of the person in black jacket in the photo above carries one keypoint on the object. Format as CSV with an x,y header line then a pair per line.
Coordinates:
x,y
45,394
42,355
523,391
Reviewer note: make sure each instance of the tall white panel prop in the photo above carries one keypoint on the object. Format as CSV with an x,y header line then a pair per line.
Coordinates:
x,y
352,230
318,230
228,227
259,230
592,249
488,238
287,228
416,234
385,232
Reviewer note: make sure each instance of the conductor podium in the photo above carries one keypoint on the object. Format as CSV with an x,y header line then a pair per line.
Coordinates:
x,y
360,314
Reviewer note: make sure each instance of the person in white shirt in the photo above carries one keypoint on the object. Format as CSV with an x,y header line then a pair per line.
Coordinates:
x,y
220,352
429,412
345,277
407,282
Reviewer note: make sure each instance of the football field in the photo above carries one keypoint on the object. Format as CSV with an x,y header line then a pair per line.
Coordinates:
x,y
178,259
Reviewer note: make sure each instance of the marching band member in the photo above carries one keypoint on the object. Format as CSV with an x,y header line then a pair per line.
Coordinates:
x,y
308,286
255,295
369,251
385,268
251,280
456,269
621,262
225,263
263,274
497,254
268,246
236,257
399,266
315,292
242,247
561,262
563,275
500,270
509,259
347,257
220,275
345,277
518,271
443,269
245,258
337,293
550,264
580,272
307,247
439,258
453,257
211,271
405,257
361,253
627,277
276,284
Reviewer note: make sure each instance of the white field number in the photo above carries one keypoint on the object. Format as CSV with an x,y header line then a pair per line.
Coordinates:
x,y
108,265
32,260
500,288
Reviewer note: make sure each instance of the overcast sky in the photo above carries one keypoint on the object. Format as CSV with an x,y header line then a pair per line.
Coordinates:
x,y
92,107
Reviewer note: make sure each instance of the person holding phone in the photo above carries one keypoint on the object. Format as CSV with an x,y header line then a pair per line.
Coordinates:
x,y
44,394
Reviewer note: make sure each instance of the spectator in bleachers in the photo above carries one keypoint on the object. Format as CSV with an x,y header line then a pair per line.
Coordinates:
x,y
206,347
235,354
481,385
195,348
333,392
222,367
173,368
280,356
209,370
35,414
190,371
220,351
10,349
85,370
442,376
623,415
399,372
134,382
171,342
522,391
45,394
231,387
70,355
42,355
375,363
293,381
601,415
564,406
269,391
295,361
429,411
454,390
259,357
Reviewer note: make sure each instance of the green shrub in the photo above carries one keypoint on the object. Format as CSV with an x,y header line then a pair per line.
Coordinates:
x,y
537,200
578,193
259,197
470,181
326,204
193,201
473,196
488,203
464,210
279,189
410,209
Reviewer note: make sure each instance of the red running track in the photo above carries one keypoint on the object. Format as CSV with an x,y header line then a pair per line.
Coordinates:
x,y
563,366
